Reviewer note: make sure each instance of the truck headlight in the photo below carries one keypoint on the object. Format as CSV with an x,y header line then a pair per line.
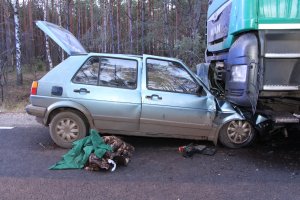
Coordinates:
x,y
239,73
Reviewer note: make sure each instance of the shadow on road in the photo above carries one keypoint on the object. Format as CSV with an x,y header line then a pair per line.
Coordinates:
x,y
155,159
276,152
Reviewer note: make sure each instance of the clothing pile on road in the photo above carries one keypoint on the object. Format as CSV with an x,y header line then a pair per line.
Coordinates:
x,y
96,153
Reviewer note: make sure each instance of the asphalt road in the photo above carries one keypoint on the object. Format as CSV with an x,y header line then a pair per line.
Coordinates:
x,y
267,170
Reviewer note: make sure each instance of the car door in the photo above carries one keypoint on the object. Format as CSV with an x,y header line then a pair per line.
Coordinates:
x,y
108,86
171,103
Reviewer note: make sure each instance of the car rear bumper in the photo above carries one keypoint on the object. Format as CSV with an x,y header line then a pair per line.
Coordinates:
x,y
35,110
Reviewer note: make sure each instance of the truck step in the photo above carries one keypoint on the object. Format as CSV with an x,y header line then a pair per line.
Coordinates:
x,y
281,87
284,118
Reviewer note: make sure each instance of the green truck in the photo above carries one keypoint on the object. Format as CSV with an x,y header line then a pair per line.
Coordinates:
x,y
253,58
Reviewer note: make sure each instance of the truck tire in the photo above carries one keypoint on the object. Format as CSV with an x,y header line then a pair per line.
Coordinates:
x,y
67,127
237,134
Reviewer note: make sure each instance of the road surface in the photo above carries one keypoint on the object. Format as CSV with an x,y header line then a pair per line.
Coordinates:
x,y
267,170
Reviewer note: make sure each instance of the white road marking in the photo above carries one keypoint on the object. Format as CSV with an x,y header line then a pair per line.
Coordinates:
x,y
6,127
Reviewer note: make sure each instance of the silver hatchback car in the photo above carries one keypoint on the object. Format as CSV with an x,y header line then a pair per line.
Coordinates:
x,y
130,95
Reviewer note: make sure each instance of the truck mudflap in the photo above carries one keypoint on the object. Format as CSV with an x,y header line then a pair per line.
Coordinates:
x,y
242,71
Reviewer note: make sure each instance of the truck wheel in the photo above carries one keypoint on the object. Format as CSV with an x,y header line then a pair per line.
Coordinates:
x,y
67,127
237,134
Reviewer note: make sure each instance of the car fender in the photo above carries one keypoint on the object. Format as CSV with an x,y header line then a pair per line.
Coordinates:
x,y
66,105
221,120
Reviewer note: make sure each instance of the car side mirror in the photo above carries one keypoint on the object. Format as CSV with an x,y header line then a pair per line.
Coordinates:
x,y
199,90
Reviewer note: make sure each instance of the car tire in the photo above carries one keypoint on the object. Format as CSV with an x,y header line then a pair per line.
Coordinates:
x,y
237,134
67,127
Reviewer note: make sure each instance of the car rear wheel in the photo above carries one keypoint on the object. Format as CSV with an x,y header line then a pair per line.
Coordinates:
x,y
237,134
67,127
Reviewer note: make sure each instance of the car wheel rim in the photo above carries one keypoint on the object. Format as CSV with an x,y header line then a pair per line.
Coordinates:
x,y
239,132
67,129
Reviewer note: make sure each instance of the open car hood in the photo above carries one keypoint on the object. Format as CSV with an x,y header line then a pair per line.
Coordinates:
x,y
64,38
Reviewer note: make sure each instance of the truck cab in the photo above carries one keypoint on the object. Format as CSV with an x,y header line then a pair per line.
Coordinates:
x,y
253,56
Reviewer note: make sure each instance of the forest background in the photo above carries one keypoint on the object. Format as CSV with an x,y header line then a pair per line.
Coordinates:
x,y
174,28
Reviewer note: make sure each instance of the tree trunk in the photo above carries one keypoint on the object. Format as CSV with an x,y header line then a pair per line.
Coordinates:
x,y
167,32
130,24
2,27
196,18
91,33
31,42
85,18
46,39
78,14
58,10
151,18
137,25
69,14
52,17
111,7
24,36
143,27
176,20
24,30
18,43
118,25
105,26
8,34
71,7
92,18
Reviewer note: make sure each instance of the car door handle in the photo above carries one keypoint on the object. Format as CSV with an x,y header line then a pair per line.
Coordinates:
x,y
81,90
153,96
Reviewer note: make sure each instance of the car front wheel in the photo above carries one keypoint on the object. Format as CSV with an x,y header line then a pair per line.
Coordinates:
x,y
67,127
237,134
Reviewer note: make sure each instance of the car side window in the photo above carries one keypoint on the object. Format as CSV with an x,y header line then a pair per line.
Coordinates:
x,y
115,72
169,76
88,73
110,72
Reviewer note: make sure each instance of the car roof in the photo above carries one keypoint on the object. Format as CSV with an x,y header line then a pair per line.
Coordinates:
x,y
132,56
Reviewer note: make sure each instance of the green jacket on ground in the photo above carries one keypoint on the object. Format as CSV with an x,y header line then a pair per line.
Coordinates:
x,y
77,157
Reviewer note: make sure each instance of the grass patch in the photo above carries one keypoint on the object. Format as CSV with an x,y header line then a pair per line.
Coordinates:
x,y
15,97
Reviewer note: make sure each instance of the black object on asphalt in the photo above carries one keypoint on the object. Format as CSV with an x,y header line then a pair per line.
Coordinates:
x,y
191,149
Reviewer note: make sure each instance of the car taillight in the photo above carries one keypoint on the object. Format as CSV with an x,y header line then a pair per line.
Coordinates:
x,y
34,87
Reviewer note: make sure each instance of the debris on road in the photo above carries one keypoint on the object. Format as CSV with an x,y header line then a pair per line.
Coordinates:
x,y
191,149
41,144
95,152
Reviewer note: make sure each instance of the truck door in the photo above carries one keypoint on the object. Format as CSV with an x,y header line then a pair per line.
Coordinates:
x,y
171,104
